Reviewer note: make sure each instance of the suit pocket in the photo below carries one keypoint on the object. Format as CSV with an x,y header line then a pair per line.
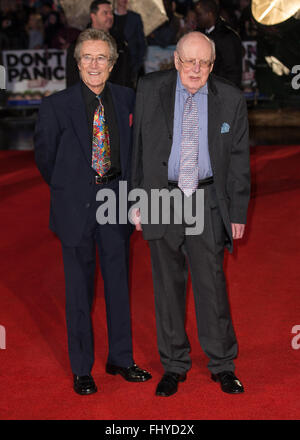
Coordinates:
x,y
212,195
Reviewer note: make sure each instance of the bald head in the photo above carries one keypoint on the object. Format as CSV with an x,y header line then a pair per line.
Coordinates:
x,y
194,58
199,39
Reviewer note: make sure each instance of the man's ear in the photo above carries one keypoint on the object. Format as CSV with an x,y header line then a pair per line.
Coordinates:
x,y
92,18
176,60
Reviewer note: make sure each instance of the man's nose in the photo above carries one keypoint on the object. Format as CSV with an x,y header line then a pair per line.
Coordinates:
x,y
196,66
94,62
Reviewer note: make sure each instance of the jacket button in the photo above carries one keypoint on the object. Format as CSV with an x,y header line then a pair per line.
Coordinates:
x,y
87,205
164,164
170,136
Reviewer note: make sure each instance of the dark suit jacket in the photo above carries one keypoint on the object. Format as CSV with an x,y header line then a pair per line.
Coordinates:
x,y
63,154
229,52
134,35
229,151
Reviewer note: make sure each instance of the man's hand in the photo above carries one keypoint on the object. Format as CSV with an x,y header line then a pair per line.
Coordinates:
x,y
237,230
136,218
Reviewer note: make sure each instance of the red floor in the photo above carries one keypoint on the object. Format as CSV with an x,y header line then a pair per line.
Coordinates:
x,y
263,283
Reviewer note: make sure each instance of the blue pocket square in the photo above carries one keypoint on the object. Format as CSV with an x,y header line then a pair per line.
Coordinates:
x,y
225,127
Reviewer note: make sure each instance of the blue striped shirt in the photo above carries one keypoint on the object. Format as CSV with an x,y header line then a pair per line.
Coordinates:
x,y
205,169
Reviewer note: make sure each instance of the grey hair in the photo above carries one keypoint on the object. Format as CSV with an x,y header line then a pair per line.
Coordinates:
x,y
91,34
211,42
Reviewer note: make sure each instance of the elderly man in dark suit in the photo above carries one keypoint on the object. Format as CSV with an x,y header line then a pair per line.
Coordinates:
x,y
191,132
83,144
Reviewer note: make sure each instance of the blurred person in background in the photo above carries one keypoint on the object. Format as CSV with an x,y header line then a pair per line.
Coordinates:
x,y
229,51
247,27
189,22
128,26
14,34
3,42
53,25
45,9
183,6
168,33
229,11
66,34
35,31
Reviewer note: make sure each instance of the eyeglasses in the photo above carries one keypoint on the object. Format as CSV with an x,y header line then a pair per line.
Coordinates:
x,y
204,64
101,59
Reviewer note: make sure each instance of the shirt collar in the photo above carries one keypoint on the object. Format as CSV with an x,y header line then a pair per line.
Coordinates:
x,y
89,95
117,13
208,31
180,88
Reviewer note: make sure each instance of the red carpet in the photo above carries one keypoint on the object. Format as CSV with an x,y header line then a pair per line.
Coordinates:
x,y
263,282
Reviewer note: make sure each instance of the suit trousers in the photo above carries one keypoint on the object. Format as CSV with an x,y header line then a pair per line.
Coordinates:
x,y
171,256
112,241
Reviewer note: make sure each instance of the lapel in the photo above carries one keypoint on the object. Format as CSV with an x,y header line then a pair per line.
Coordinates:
x,y
167,96
79,121
128,26
122,116
214,122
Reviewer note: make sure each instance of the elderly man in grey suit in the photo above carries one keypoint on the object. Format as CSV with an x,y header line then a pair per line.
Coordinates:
x,y
191,132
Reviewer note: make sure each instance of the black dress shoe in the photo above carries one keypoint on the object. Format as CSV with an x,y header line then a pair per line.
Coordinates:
x,y
229,382
84,385
169,384
131,374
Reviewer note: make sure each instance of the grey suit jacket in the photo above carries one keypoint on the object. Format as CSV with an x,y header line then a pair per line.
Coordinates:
x,y
229,149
